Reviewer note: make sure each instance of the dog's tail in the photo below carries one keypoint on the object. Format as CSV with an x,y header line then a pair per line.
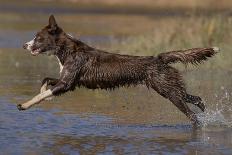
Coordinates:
x,y
194,56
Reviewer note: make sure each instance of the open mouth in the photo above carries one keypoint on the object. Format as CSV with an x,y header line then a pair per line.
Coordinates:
x,y
35,52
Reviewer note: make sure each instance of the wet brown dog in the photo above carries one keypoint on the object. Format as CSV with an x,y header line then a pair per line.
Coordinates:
x,y
82,65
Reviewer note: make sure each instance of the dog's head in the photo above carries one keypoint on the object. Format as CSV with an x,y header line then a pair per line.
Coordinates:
x,y
45,41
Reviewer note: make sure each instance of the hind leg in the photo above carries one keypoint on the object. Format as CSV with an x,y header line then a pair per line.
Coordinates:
x,y
177,97
195,100
183,107
168,82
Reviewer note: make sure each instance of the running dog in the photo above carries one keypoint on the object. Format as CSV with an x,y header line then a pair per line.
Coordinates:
x,y
85,66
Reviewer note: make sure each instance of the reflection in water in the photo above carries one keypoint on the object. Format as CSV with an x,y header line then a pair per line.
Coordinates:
x,y
103,144
164,140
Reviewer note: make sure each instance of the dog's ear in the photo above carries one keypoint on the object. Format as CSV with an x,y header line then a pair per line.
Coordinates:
x,y
52,24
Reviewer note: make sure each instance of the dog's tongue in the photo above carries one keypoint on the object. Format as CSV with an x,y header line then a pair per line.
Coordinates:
x,y
35,52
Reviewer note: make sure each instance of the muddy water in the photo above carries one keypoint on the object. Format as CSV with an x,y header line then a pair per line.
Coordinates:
x,y
123,121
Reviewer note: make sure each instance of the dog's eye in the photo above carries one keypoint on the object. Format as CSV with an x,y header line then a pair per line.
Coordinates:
x,y
39,38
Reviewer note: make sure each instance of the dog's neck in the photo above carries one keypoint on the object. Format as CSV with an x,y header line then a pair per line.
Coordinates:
x,y
68,46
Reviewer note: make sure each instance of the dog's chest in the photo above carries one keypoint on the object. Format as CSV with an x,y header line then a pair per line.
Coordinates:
x,y
61,66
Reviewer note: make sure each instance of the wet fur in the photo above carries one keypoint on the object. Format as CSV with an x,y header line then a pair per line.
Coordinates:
x,y
85,66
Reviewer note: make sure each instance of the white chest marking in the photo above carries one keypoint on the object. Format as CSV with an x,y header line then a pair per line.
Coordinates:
x,y
61,66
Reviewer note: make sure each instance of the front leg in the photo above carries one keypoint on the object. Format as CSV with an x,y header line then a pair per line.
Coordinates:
x,y
38,98
59,88
67,82
48,82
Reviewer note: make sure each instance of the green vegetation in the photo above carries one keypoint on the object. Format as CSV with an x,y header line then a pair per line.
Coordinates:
x,y
178,33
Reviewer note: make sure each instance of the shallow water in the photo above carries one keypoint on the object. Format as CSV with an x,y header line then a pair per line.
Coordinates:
x,y
123,121
42,131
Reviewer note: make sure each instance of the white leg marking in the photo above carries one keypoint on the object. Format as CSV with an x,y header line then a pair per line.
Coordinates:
x,y
43,89
38,98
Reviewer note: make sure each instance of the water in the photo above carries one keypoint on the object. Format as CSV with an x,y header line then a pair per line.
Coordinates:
x,y
41,131
124,121
46,131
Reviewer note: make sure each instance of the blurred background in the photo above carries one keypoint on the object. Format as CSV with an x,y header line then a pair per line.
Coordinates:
x,y
115,121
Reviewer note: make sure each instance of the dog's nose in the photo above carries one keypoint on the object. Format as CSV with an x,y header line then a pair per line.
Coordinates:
x,y
25,46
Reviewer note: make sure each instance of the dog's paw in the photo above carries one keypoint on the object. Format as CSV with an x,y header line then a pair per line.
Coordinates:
x,y
20,107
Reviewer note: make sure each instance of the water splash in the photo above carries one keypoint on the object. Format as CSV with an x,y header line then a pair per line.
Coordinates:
x,y
214,118
219,114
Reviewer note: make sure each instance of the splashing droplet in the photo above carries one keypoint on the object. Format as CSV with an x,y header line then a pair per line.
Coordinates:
x,y
213,118
220,114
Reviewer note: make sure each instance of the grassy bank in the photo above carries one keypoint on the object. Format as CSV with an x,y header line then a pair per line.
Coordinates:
x,y
174,4
140,35
132,31
178,33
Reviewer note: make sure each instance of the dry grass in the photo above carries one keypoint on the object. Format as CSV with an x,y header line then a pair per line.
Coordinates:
x,y
148,34
192,4
179,33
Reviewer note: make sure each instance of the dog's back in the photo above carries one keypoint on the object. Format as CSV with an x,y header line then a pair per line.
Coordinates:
x,y
105,70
